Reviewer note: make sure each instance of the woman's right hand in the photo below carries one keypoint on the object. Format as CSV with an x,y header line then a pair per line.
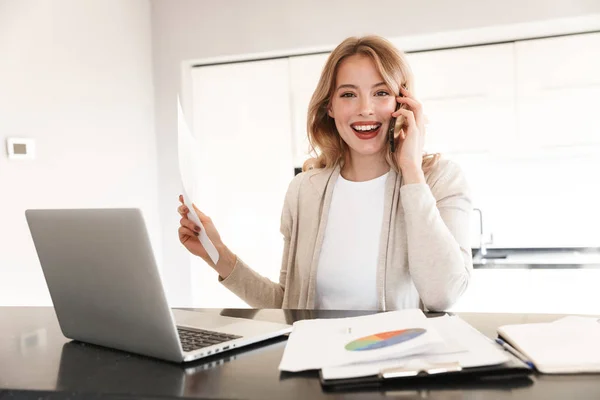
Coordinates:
x,y
188,236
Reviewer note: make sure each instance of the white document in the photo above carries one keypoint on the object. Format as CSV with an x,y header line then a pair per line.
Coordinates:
x,y
322,343
568,345
187,146
462,344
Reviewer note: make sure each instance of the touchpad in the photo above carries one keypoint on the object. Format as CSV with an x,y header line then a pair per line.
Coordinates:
x,y
201,319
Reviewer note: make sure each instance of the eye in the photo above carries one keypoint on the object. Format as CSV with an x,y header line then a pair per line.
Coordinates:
x,y
347,94
382,93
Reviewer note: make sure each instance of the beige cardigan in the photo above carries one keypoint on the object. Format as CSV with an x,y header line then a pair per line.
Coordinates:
x,y
424,254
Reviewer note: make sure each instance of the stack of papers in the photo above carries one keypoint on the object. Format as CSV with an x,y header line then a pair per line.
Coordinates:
x,y
567,345
364,346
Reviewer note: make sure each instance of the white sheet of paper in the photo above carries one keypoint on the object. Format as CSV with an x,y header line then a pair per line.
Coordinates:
x,y
187,145
320,343
462,344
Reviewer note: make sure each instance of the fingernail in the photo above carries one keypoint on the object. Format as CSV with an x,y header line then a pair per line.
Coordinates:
x,y
196,233
197,228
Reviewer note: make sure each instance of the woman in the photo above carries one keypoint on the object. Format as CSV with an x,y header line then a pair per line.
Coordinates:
x,y
364,227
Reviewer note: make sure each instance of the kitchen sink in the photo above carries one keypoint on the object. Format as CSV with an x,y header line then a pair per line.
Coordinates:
x,y
493,254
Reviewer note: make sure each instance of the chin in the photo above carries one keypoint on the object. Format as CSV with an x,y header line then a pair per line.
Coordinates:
x,y
368,151
368,148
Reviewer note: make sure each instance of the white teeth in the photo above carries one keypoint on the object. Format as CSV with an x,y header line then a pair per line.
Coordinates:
x,y
365,127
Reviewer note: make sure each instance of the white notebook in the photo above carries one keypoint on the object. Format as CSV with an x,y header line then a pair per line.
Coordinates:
x,y
568,345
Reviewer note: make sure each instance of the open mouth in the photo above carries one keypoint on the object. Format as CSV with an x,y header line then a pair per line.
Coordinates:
x,y
366,131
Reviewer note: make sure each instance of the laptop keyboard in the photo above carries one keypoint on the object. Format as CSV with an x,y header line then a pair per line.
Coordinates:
x,y
199,338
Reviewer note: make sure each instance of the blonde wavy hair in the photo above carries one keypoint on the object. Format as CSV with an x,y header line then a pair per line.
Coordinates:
x,y
325,142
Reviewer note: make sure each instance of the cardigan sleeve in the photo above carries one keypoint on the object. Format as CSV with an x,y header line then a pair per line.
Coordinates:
x,y
437,216
255,289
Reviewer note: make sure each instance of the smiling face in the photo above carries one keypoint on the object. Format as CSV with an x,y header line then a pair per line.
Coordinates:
x,y
361,106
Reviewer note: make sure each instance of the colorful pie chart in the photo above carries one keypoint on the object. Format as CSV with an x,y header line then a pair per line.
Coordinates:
x,y
384,339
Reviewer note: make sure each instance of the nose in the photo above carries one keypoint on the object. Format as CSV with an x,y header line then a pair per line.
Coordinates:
x,y
366,106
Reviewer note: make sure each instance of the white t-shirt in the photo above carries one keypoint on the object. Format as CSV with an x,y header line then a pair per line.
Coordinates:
x,y
347,270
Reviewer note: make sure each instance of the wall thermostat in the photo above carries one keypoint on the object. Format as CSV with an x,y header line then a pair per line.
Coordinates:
x,y
20,149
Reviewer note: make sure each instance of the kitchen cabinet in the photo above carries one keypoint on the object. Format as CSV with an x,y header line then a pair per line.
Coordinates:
x,y
468,97
558,91
492,290
538,290
565,291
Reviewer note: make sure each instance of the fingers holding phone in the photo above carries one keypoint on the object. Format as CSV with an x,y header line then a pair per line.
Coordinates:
x,y
392,127
412,110
412,136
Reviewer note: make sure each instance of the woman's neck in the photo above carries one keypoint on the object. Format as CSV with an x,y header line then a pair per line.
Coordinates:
x,y
364,168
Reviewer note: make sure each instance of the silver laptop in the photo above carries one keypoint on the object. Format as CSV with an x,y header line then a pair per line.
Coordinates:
x,y
106,289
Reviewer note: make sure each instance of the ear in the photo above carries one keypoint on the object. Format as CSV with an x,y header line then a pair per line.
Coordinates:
x,y
330,112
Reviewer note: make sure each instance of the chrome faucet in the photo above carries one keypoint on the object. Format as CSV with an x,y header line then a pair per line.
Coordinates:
x,y
482,241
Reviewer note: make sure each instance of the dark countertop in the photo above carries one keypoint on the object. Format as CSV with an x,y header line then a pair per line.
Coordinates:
x,y
538,258
37,361
501,265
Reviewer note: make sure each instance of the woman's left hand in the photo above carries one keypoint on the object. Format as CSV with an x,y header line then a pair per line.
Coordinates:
x,y
409,153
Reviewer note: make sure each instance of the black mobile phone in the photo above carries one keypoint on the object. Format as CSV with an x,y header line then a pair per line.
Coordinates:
x,y
392,128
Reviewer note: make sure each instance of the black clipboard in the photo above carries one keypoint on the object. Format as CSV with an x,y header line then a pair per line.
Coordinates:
x,y
513,372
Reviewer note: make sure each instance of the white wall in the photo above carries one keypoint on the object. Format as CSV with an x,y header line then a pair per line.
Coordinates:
x,y
552,200
76,76
197,29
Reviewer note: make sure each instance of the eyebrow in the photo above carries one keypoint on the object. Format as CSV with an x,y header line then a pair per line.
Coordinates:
x,y
349,86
